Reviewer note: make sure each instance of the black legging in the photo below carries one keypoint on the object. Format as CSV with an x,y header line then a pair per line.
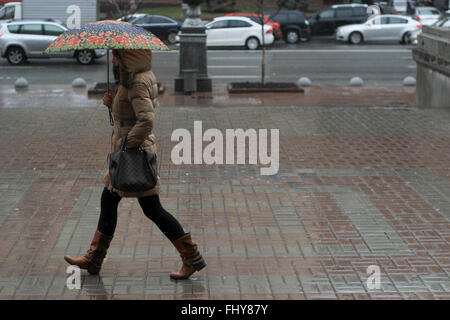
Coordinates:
x,y
152,208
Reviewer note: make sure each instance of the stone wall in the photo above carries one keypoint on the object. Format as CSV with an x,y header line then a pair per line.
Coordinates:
x,y
432,56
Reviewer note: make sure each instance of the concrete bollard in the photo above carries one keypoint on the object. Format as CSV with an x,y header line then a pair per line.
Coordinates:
x,y
304,82
21,83
356,82
79,83
409,81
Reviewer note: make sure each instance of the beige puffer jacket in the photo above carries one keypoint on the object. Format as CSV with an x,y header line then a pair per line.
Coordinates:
x,y
133,109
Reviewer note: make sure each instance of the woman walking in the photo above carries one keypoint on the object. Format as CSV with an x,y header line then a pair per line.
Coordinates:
x,y
132,107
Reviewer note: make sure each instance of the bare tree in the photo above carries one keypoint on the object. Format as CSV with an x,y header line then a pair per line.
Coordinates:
x,y
263,19
263,59
301,5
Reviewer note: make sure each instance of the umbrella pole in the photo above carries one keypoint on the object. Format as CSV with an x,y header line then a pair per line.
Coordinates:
x,y
107,71
111,119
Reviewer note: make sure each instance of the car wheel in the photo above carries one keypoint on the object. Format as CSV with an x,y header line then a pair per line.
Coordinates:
x,y
355,38
252,43
406,39
85,56
292,36
16,55
172,37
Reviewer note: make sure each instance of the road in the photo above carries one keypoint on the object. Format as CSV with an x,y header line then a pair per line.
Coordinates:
x,y
323,61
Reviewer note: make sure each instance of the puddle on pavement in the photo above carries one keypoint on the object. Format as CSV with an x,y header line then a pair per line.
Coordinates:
x,y
47,97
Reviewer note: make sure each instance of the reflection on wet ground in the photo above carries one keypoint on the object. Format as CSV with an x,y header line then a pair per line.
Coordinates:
x,y
45,96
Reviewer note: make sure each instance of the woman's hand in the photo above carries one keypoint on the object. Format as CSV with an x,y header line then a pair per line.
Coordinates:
x,y
108,98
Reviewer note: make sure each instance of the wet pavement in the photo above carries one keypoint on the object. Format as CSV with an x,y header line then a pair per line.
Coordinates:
x,y
358,186
59,96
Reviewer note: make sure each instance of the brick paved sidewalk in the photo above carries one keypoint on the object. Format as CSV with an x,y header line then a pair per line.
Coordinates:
x,y
356,187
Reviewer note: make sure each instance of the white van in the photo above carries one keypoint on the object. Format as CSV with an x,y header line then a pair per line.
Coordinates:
x,y
11,10
71,13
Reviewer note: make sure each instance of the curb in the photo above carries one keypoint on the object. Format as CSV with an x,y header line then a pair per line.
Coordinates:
x,y
99,88
256,90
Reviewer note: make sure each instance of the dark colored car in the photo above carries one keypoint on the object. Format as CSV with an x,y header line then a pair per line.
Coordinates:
x,y
325,21
294,24
163,27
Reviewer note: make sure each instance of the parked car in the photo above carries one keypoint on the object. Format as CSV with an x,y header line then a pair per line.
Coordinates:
x,y
237,31
20,40
426,15
381,28
257,18
443,22
165,28
325,21
294,24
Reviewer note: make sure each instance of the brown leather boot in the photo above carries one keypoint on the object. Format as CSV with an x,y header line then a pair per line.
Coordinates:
x,y
191,257
93,259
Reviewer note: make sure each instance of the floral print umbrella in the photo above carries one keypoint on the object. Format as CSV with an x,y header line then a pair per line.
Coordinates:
x,y
106,34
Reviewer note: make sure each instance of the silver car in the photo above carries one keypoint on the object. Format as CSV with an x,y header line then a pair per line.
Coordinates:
x,y
20,40
426,15
387,27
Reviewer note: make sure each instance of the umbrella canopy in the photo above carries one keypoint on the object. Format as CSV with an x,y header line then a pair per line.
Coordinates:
x,y
106,34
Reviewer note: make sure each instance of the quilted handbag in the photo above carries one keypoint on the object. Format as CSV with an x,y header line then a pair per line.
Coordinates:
x,y
133,170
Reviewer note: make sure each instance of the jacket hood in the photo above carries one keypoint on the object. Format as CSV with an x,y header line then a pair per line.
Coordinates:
x,y
135,61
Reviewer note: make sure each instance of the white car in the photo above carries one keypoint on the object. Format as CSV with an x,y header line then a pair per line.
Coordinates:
x,y
426,15
386,27
237,31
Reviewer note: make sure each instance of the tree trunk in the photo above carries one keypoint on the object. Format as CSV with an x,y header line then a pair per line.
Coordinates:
x,y
263,60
